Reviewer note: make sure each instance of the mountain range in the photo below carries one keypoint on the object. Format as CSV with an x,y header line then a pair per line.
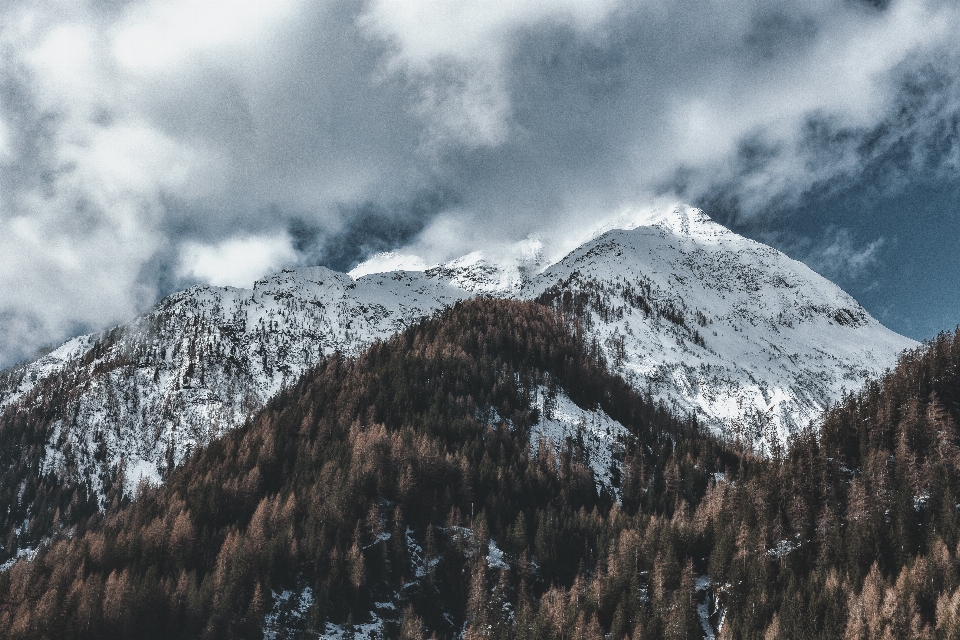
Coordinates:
x,y
752,343
670,431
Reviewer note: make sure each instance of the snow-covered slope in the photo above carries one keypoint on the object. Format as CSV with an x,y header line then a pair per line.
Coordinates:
x,y
752,342
600,436
146,394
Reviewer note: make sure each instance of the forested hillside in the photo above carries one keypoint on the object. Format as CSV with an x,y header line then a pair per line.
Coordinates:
x,y
396,493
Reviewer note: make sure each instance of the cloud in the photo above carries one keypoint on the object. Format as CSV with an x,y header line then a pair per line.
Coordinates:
x,y
140,139
236,262
747,103
158,36
135,134
458,53
838,256
388,261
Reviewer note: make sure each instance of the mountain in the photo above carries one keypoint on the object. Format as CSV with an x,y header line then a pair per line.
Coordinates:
x,y
755,344
397,495
712,324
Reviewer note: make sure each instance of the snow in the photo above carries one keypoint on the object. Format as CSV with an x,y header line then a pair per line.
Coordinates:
x,y
562,420
46,366
704,611
28,554
386,262
508,271
778,341
287,612
421,563
288,615
495,557
783,548
138,471
367,631
381,537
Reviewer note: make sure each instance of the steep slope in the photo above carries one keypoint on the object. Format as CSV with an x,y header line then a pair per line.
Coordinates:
x,y
203,360
752,343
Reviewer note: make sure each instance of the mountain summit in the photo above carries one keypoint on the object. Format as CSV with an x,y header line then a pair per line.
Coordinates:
x,y
752,342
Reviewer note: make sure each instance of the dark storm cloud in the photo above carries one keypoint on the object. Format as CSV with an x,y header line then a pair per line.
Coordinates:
x,y
145,145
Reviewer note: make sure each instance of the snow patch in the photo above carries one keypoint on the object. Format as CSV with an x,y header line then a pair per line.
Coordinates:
x,y
709,609
288,613
136,471
495,556
563,421
783,548
27,554
366,631
421,563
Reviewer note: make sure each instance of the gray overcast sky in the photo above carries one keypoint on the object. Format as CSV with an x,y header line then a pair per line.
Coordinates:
x,y
146,145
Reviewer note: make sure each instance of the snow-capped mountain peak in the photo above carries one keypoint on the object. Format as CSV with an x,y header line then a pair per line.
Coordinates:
x,y
502,271
751,341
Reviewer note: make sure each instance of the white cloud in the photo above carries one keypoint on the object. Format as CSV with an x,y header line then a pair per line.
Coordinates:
x,y
848,74
65,53
60,272
156,36
5,150
90,171
841,257
425,31
236,262
388,261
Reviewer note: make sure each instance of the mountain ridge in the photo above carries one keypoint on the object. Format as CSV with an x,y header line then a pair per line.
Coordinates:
x,y
714,325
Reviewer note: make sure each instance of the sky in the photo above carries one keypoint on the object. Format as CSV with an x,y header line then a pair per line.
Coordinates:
x,y
147,145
